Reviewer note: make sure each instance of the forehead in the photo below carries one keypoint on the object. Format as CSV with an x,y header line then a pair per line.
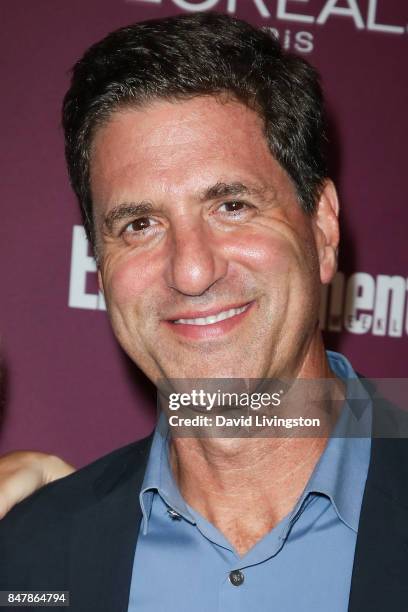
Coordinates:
x,y
179,147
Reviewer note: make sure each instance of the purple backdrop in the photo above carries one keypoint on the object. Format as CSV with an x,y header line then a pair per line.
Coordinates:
x,y
67,387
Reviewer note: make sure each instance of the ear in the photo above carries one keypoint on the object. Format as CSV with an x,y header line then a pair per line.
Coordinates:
x,y
326,231
100,281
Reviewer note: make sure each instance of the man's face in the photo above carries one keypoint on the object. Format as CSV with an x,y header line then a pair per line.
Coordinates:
x,y
208,265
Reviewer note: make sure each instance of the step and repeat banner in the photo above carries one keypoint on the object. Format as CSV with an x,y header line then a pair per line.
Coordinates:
x,y
66,387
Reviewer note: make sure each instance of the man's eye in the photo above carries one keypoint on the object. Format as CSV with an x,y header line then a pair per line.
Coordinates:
x,y
234,206
138,225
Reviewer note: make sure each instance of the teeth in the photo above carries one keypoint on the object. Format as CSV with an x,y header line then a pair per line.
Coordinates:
x,y
226,314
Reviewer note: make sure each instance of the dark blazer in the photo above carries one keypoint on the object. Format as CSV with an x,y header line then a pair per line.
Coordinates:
x,y
79,534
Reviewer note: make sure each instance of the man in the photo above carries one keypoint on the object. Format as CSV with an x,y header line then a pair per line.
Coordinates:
x,y
195,147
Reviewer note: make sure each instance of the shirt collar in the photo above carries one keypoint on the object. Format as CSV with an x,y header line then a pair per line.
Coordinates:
x,y
341,472
159,477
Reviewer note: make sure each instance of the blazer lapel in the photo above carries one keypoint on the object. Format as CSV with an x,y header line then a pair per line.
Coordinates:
x,y
379,578
103,537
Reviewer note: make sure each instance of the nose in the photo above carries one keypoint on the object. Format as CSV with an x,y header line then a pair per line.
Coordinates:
x,y
196,262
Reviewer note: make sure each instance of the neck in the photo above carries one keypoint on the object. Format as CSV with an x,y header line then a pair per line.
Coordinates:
x,y
245,486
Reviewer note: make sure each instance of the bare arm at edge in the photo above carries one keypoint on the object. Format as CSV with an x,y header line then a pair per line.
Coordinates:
x,y
23,472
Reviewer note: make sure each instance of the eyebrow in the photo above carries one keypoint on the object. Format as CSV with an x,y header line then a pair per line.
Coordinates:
x,y
224,190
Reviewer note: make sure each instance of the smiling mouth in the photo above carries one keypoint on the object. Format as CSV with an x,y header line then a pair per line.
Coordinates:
x,y
210,320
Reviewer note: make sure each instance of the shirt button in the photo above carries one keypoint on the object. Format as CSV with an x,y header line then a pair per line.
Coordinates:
x,y
236,577
173,515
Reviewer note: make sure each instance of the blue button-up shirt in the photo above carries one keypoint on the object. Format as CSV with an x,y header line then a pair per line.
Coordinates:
x,y
182,562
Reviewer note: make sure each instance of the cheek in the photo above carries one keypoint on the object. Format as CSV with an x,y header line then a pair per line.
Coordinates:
x,y
262,253
127,281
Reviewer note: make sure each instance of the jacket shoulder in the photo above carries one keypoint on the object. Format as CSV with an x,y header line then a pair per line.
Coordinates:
x,y
71,494
38,536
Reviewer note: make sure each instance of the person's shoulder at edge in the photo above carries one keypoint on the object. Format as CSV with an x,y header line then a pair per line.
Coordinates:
x,y
66,496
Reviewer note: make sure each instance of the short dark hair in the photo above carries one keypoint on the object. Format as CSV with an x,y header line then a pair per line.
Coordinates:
x,y
191,55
